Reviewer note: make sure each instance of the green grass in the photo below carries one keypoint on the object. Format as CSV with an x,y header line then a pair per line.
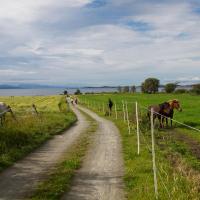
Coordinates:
x,y
59,180
17,138
178,169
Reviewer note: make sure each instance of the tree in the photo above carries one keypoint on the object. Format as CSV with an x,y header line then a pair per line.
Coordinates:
x,y
78,92
133,89
150,85
119,89
126,89
196,89
65,92
170,87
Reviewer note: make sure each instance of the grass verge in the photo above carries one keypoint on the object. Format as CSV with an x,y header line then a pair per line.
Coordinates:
x,y
18,138
177,172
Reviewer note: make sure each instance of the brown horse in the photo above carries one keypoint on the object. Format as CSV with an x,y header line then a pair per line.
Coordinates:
x,y
169,113
158,111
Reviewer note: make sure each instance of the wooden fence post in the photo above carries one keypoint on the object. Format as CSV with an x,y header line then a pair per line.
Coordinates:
x,y
103,108
116,111
153,154
138,131
35,109
124,111
127,117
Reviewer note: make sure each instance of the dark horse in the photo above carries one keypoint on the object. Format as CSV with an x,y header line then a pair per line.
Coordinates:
x,y
158,111
169,113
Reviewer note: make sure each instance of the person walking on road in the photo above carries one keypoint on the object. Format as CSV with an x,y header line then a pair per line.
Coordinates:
x,y
110,105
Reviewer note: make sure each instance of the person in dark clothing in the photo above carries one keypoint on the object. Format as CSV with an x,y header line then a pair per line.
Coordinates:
x,y
110,105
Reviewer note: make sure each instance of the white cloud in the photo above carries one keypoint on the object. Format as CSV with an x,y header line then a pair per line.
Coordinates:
x,y
40,42
29,10
12,72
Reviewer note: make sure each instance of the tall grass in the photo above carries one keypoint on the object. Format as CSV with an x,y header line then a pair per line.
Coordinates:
x,y
17,138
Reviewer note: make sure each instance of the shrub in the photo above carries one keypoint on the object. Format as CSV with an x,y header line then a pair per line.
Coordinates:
x,y
133,88
181,91
126,89
170,87
78,92
196,89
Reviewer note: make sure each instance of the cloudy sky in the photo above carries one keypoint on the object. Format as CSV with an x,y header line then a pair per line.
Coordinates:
x,y
99,42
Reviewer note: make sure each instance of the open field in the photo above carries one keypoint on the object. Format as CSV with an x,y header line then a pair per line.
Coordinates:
x,y
20,137
177,149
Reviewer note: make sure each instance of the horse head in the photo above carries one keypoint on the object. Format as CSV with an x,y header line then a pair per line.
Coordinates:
x,y
175,104
9,109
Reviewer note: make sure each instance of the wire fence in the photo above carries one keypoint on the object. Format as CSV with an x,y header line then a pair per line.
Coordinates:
x,y
134,115
32,105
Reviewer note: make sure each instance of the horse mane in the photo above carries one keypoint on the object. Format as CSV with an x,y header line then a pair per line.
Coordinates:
x,y
164,105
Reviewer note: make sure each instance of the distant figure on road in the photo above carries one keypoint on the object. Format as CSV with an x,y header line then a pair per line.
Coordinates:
x,y
76,101
110,105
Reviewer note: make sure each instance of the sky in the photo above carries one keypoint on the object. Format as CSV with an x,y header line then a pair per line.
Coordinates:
x,y
99,42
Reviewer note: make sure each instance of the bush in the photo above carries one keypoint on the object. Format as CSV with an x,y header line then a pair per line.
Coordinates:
x,y
78,92
196,89
133,89
170,87
181,91
126,89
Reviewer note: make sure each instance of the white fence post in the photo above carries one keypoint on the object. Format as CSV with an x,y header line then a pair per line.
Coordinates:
x,y
127,117
138,131
153,154
116,111
124,111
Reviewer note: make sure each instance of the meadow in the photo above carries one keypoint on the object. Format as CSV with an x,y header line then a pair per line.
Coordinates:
x,y
177,149
30,129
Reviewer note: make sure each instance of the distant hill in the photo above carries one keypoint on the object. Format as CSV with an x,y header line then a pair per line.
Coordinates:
x,y
9,87
26,86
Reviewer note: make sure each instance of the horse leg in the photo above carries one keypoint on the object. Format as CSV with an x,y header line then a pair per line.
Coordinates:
x,y
166,122
160,121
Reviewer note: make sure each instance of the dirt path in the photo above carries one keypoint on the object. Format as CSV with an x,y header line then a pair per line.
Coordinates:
x,y
100,178
20,179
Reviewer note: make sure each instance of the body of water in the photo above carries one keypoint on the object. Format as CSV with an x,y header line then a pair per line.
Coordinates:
x,y
50,91
57,91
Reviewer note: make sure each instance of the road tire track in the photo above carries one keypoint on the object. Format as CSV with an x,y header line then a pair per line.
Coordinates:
x,y
101,175
22,178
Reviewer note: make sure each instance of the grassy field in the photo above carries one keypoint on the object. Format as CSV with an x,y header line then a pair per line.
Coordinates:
x,y
177,149
17,138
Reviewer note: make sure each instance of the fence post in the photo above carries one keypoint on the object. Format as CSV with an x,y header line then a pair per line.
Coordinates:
x,y
127,117
88,104
124,111
137,122
153,154
103,108
116,111
35,108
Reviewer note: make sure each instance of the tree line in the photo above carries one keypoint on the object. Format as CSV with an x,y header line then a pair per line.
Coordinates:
x,y
151,86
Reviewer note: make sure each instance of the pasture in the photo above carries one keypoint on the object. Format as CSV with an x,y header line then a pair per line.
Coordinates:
x,y
177,149
17,138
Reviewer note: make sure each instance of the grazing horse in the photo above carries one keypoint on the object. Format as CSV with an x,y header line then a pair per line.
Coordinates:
x,y
158,111
3,110
169,113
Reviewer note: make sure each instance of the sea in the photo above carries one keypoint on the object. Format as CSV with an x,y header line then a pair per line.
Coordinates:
x,y
57,91
52,91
